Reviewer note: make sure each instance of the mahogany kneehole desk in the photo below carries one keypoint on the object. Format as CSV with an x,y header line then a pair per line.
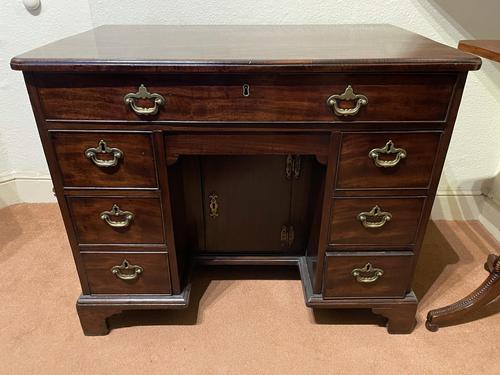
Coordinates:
x,y
314,146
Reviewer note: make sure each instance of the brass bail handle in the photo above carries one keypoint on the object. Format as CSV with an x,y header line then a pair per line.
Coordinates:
x,y
388,149
348,95
375,218
143,93
103,149
367,274
127,271
116,212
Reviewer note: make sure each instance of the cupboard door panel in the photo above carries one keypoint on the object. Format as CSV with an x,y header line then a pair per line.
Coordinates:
x,y
250,200
305,198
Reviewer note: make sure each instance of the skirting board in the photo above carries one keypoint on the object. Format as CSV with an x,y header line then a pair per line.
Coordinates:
x,y
26,190
468,207
490,217
18,189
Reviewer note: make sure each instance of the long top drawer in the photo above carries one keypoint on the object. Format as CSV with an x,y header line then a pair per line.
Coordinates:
x,y
264,97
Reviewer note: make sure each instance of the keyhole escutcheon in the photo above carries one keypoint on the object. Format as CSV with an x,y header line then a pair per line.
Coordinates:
x,y
246,90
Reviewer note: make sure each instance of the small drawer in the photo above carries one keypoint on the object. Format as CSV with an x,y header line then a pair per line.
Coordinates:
x,y
246,97
387,160
105,159
116,220
366,274
375,221
127,273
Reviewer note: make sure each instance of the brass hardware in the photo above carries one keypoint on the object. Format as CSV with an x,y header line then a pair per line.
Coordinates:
x,y
213,205
291,235
289,166
246,90
348,94
127,271
143,93
296,167
284,235
292,166
102,148
367,274
287,236
388,149
117,212
375,218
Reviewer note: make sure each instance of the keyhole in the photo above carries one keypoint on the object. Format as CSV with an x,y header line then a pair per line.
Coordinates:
x,y
246,90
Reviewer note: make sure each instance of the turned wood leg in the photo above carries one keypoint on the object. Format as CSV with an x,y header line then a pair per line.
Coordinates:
x,y
484,294
400,318
94,319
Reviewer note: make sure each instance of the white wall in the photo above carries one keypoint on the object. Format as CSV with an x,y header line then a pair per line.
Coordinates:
x,y
23,170
474,157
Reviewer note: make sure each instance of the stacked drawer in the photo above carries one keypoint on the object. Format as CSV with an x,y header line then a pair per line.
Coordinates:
x,y
379,209
113,197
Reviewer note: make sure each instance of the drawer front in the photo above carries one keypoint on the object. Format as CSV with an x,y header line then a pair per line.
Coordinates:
x,y
105,159
116,220
264,97
375,221
127,273
387,160
365,274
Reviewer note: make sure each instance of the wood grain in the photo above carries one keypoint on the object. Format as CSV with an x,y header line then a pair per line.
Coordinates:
x,y
273,97
227,143
155,279
400,230
254,203
340,283
128,48
145,228
489,49
413,85
357,171
135,169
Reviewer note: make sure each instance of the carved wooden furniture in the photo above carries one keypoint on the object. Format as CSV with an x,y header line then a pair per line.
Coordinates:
x,y
489,290
313,146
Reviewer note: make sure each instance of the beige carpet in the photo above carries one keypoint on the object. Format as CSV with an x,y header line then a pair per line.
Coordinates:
x,y
242,320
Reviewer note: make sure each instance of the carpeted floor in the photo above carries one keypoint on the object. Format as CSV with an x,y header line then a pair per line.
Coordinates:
x,y
241,321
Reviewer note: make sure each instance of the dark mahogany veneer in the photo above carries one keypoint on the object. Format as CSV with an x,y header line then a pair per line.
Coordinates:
x,y
314,146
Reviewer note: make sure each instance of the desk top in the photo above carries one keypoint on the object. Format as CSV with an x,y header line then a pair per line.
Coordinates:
x,y
325,48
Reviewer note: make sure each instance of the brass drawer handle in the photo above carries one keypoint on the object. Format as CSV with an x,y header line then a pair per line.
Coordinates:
x,y
388,149
116,212
347,95
367,274
375,218
103,149
143,93
127,271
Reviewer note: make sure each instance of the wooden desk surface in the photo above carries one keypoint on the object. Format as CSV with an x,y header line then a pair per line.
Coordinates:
x,y
329,48
489,49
